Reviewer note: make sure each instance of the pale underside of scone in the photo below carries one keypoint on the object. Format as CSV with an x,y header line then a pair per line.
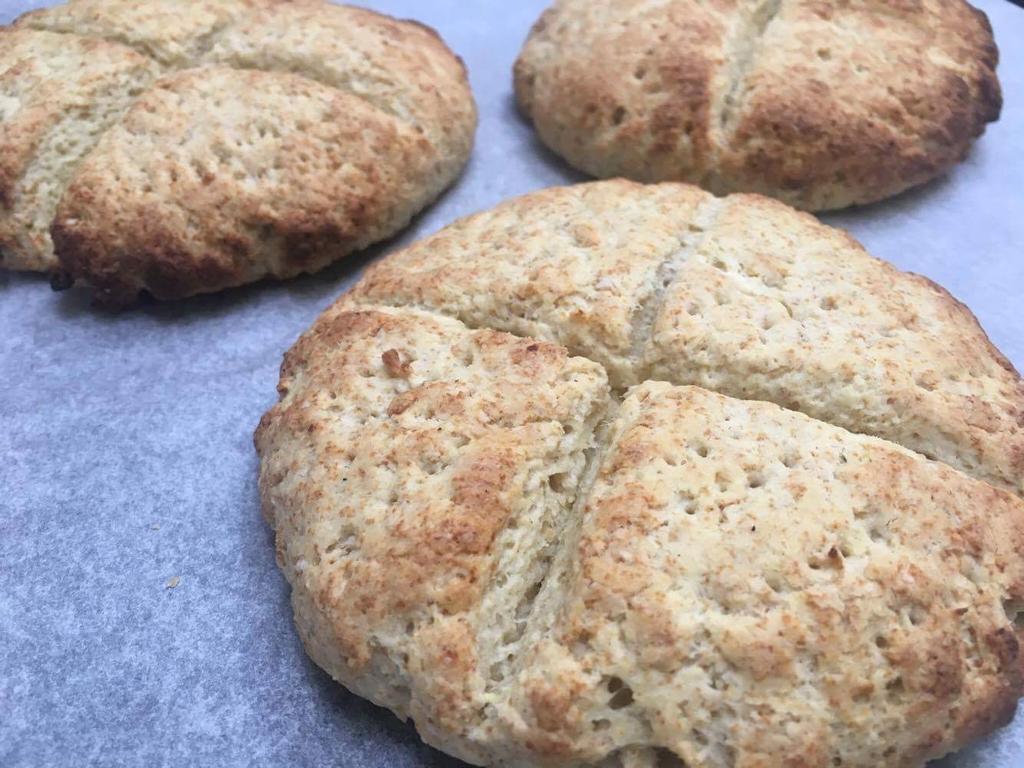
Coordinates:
x,y
481,535
258,137
822,105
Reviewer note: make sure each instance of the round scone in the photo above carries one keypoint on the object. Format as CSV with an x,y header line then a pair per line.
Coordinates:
x,y
507,510
183,147
822,105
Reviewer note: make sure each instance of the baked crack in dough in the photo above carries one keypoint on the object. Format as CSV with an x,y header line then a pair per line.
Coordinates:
x,y
820,104
184,147
533,488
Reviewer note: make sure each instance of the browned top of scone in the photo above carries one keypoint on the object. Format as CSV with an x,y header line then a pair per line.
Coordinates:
x,y
480,536
820,104
548,560
221,170
217,176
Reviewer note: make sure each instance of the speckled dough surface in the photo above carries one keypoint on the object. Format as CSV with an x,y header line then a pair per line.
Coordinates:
x,y
512,507
184,147
821,104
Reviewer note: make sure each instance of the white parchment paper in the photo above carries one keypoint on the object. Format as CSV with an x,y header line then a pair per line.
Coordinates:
x,y
126,462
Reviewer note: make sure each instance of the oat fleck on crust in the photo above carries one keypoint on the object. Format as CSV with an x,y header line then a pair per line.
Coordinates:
x,y
820,104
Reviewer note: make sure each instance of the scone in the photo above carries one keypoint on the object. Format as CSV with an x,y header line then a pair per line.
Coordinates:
x,y
184,147
528,490
822,105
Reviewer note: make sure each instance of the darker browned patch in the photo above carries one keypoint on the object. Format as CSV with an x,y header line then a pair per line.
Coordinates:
x,y
530,355
434,400
395,365
480,485
553,706
1005,646
687,109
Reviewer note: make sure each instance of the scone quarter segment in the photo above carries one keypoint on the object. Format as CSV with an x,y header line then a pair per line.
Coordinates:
x,y
417,474
754,586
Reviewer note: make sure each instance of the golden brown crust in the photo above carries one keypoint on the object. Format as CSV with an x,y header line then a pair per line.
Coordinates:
x,y
171,32
755,588
480,536
782,98
581,266
401,67
661,106
723,582
252,206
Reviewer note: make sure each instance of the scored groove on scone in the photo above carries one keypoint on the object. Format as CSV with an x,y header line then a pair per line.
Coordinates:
x,y
704,579
762,302
577,266
743,46
817,325
449,461
534,609
899,112
698,229
173,33
382,67
311,38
